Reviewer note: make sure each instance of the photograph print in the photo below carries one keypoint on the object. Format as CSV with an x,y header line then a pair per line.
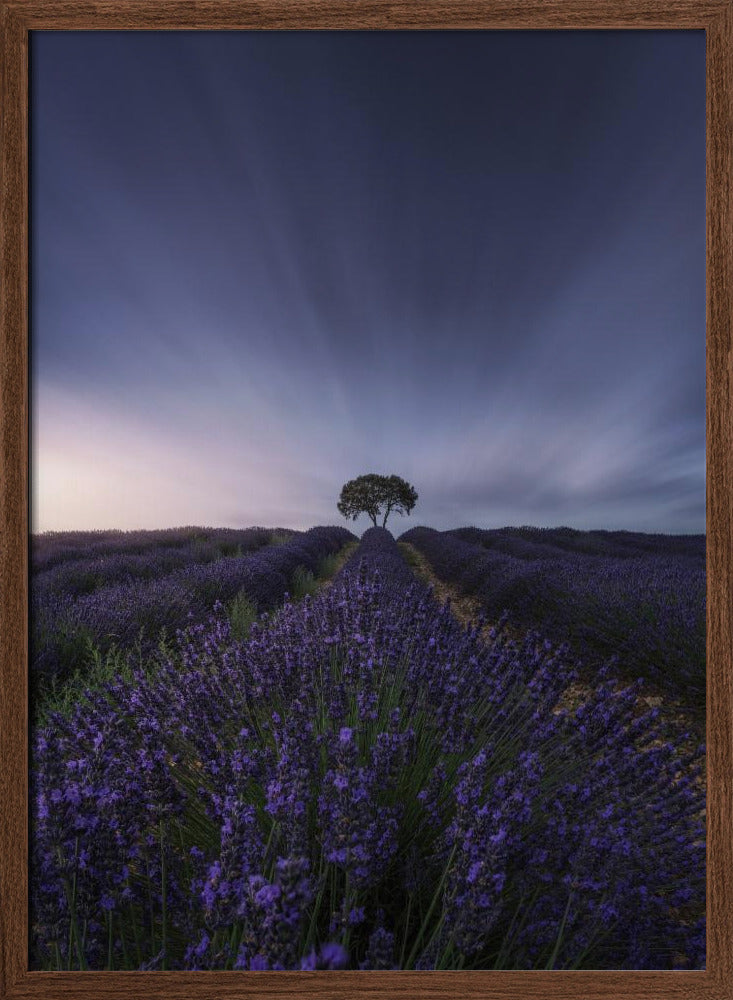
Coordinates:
x,y
368,539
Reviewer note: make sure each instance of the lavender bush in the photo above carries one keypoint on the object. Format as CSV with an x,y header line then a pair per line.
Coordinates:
x,y
363,784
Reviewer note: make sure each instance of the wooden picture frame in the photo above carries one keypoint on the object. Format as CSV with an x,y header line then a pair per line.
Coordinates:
x,y
19,17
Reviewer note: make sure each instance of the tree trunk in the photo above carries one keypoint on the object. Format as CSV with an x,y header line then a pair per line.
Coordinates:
x,y
374,519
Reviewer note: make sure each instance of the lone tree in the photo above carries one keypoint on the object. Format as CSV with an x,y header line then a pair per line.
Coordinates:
x,y
372,494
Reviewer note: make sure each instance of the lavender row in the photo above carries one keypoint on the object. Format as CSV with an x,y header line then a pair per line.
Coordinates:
x,y
137,610
378,556
648,611
363,784
78,576
543,543
53,548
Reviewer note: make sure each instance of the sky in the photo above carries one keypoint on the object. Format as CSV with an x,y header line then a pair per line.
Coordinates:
x,y
265,263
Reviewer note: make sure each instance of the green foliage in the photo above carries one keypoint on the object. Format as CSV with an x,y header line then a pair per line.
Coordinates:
x,y
409,555
328,566
375,495
229,549
70,648
280,538
97,670
303,583
242,613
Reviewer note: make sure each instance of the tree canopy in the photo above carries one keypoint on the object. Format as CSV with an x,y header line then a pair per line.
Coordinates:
x,y
375,496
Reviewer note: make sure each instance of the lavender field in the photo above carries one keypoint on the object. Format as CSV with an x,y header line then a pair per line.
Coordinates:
x,y
273,749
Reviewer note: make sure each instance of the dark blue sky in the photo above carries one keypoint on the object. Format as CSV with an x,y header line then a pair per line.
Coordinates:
x,y
264,263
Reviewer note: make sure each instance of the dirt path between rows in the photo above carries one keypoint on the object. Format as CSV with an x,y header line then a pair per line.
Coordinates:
x,y
465,609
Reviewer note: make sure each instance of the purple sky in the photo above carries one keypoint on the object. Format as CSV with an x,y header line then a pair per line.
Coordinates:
x,y
264,263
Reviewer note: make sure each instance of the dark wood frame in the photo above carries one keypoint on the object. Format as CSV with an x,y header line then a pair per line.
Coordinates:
x,y
715,17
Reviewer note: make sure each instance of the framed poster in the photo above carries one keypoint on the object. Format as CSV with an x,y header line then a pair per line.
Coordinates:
x,y
281,263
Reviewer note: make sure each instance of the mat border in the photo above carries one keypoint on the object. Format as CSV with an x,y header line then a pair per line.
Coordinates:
x,y
715,17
